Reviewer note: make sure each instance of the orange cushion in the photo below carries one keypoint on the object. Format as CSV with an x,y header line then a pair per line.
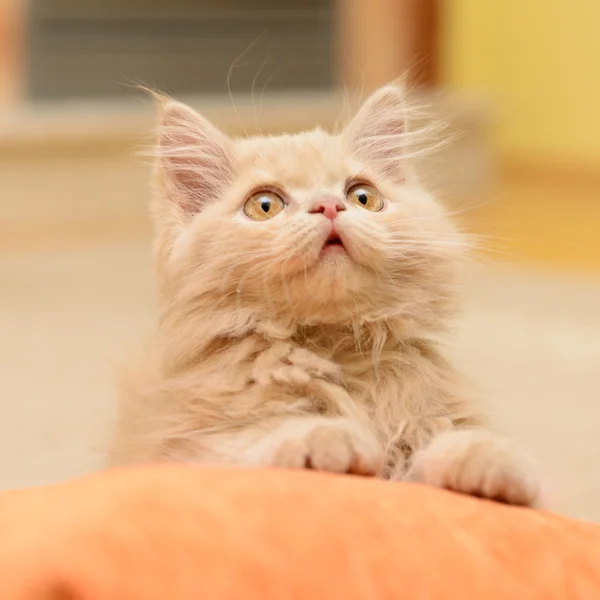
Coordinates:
x,y
184,533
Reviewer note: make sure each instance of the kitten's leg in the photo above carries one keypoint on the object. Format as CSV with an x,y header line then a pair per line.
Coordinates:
x,y
479,463
338,445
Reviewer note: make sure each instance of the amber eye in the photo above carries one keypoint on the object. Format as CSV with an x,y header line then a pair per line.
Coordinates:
x,y
263,205
366,196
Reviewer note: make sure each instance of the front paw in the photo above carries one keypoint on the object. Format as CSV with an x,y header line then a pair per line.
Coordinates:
x,y
477,463
334,445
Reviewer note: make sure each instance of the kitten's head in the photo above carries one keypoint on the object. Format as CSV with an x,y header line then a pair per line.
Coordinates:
x,y
308,228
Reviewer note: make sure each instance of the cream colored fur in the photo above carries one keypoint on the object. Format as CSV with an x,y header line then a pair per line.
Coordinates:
x,y
269,353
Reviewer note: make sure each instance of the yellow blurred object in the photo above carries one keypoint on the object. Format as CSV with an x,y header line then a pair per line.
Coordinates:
x,y
529,220
539,61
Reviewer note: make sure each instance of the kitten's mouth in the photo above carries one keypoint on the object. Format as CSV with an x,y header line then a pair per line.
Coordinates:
x,y
333,240
333,243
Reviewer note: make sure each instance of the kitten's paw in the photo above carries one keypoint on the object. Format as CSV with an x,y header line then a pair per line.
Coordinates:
x,y
337,447
480,464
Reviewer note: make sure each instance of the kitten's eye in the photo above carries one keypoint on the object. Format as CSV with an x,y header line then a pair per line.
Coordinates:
x,y
366,196
263,205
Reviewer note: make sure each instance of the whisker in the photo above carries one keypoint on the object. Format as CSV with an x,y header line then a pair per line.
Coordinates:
x,y
230,72
256,76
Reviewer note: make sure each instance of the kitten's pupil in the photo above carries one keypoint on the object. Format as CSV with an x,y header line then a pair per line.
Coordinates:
x,y
266,205
363,198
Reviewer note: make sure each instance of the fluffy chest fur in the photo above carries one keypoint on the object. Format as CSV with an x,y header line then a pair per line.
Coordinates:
x,y
231,389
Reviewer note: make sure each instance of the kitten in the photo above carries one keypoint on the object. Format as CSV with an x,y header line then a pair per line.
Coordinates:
x,y
303,280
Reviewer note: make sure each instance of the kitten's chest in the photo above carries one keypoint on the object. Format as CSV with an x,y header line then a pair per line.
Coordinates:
x,y
397,395
371,386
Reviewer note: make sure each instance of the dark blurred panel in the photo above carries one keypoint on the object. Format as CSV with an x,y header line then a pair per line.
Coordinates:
x,y
97,47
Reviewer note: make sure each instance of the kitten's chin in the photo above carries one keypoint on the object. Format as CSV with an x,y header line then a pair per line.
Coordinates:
x,y
335,269
332,259
330,291
333,255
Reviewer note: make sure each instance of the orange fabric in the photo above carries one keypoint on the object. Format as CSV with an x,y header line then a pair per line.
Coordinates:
x,y
182,533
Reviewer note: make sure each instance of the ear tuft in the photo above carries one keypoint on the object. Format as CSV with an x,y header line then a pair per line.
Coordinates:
x,y
194,157
377,134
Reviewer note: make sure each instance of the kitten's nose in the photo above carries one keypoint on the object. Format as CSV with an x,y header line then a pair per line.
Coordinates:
x,y
329,207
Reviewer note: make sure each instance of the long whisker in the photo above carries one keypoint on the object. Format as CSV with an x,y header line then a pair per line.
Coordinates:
x,y
256,76
230,72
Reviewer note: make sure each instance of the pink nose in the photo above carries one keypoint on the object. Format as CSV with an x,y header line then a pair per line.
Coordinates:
x,y
329,208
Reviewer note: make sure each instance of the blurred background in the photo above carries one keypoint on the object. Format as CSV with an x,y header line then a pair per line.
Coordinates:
x,y
516,81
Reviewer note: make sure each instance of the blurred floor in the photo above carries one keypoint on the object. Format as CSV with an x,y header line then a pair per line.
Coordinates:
x,y
530,340
65,317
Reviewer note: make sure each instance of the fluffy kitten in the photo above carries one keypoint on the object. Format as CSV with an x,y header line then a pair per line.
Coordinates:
x,y
303,280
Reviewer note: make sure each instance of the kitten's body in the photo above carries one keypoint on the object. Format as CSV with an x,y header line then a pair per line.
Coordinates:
x,y
275,349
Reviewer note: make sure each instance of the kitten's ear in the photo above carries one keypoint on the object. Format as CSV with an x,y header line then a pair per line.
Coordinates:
x,y
194,157
377,134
